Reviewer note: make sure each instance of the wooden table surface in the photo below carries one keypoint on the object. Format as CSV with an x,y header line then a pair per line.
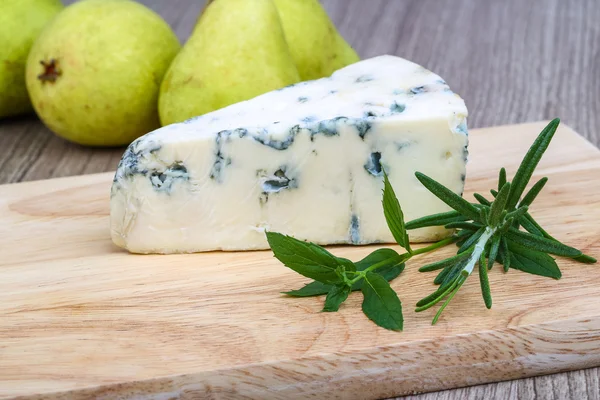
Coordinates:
x,y
511,60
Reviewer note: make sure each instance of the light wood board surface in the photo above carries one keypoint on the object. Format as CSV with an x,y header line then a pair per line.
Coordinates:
x,y
512,61
81,319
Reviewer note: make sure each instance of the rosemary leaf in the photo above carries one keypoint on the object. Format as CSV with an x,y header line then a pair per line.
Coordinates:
x,y
484,213
471,226
481,199
443,274
484,282
458,286
456,271
498,206
530,162
444,263
449,197
501,178
439,296
471,240
494,247
533,192
517,214
505,254
436,220
539,243
530,226
527,218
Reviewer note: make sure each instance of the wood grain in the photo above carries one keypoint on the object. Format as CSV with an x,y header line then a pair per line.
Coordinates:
x,y
512,60
83,319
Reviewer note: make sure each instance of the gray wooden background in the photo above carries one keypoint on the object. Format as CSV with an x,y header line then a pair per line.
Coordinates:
x,y
511,60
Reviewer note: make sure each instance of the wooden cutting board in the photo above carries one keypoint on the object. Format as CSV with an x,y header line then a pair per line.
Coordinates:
x,y
82,319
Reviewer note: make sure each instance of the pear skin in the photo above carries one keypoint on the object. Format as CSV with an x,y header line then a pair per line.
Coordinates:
x,y
237,51
21,21
316,46
94,73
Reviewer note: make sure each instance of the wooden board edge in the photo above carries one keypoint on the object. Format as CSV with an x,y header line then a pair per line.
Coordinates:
x,y
455,361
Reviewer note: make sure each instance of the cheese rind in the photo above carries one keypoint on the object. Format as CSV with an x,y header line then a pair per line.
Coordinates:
x,y
305,160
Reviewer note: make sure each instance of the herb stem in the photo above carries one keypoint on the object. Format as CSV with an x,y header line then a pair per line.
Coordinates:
x,y
434,246
363,273
407,256
479,249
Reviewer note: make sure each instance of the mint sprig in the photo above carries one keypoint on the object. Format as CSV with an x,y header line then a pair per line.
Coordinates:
x,y
390,270
486,232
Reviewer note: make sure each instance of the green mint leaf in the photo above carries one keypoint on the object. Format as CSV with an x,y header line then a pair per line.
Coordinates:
x,y
494,192
533,262
307,259
530,162
436,220
393,265
381,304
393,259
335,297
584,258
378,256
389,272
498,206
533,192
495,246
539,243
484,282
449,197
501,178
393,214
346,264
313,288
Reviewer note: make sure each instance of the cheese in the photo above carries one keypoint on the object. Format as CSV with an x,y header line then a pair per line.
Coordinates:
x,y
305,160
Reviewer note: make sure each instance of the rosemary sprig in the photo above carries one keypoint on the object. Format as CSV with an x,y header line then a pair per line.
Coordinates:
x,y
498,238
487,232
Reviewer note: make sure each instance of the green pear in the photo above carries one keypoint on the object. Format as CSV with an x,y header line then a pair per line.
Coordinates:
x,y
20,23
237,51
94,73
316,46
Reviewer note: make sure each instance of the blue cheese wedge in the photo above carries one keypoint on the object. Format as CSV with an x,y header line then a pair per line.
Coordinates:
x,y
306,160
